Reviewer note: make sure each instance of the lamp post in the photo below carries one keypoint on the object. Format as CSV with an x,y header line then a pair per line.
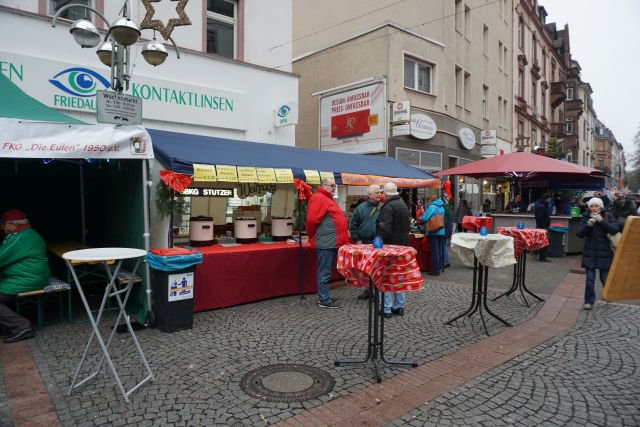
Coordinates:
x,y
114,51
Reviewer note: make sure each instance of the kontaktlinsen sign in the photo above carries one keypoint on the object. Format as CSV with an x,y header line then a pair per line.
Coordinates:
x,y
67,86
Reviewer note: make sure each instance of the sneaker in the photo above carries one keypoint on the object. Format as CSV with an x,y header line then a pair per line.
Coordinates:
x,y
20,335
332,304
386,315
337,300
587,306
364,295
398,311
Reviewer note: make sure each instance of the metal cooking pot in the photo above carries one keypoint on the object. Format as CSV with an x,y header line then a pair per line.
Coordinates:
x,y
281,228
201,231
246,230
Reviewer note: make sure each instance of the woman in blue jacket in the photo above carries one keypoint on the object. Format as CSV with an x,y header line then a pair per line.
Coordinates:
x,y
436,238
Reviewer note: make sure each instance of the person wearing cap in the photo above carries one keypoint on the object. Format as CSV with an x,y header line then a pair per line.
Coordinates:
x,y
393,227
363,222
326,225
595,224
23,268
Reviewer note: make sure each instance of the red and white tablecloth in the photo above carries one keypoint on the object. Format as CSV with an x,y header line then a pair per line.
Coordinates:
x,y
529,239
392,268
473,223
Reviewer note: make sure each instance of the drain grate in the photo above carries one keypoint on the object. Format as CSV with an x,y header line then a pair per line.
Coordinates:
x,y
287,383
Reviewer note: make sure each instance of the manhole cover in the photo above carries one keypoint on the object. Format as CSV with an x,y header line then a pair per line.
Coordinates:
x,y
287,383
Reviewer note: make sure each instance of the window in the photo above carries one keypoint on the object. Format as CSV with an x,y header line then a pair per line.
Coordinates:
x,y
553,71
467,91
544,63
506,58
534,136
500,56
459,16
467,21
459,87
485,40
417,75
520,33
543,101
601,160
520,128
421,159
500,122
569,126
521,83
505,113
534,97
534,48
73,13
221,25
485,100
569,93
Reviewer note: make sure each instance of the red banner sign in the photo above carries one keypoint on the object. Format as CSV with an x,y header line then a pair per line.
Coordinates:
x,y
355,123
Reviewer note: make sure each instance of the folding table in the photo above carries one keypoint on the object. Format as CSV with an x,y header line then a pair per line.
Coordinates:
x,y
107,256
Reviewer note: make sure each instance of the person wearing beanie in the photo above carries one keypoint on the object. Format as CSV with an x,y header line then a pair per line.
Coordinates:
x,y
595,224
393,227
23,268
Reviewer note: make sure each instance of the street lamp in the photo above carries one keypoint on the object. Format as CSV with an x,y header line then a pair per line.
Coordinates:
x,y
114,50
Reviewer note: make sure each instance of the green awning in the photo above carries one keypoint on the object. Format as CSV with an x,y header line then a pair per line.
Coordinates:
x,y
16,104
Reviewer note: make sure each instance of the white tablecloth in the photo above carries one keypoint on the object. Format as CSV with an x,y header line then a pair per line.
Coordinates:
x,y
492,250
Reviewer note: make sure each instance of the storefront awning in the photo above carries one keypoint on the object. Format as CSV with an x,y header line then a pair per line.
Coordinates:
x,y
179,151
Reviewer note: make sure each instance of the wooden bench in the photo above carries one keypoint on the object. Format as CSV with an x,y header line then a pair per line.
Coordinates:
x,y
55,287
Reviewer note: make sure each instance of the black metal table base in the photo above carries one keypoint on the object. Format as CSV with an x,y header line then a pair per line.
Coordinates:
x,y
375,336
519,276
479,297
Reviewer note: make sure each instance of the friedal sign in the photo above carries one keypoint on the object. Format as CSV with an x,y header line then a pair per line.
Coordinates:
x,y
207,192
118,108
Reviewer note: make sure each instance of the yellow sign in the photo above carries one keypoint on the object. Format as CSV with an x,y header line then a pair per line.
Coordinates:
x,y
266,175
227,173
373,120
312,176
326,175
204,173
247,174
284,176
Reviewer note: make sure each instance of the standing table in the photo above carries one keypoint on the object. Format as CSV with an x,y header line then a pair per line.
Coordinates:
x,y
524,240
482,252
392,268
474,223
107,256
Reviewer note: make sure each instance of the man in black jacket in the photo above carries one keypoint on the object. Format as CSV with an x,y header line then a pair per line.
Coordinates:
x,y
393,226
543,220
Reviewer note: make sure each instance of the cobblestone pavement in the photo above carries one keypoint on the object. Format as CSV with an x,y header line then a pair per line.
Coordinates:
x,y
197,372
5,413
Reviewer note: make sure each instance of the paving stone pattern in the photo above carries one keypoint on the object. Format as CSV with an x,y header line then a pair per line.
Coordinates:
x,y
5,412
587,376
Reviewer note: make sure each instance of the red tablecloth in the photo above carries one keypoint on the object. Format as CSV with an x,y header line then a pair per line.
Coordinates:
x,y
473,223
392,268
251,272
421,245
529,239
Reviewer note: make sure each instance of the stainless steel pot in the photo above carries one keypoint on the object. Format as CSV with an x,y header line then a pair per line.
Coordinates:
x,y
246,230
281,228
201,231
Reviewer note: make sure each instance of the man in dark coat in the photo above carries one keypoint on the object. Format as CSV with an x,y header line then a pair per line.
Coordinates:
x,y
597,254
543,220
393,226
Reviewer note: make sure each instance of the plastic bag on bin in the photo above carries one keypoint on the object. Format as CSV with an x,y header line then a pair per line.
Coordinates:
x,y
173,259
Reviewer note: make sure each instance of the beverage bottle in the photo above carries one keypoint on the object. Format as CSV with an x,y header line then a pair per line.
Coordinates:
x,y
377,242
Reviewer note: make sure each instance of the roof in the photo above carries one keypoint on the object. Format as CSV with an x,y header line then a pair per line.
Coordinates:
x,y
16,104
179,151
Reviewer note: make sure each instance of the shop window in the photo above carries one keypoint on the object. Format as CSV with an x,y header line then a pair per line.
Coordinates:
x,y
221,27
418,75
73,13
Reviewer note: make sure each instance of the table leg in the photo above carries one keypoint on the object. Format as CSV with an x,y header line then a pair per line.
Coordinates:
x,y
524,285
370,320
519,280
473,307
516,278
484,298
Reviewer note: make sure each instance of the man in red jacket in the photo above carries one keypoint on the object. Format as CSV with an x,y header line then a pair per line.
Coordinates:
x,y
327,228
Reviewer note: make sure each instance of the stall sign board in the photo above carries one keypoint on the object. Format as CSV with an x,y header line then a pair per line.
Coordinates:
x,y
118,108
312,177
247,174
227,173
180,286
204,173
207,192
326,175
266,175
284,176
622,281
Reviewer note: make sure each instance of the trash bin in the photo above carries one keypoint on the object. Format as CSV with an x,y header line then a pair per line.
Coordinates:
x,y
172,285
556,240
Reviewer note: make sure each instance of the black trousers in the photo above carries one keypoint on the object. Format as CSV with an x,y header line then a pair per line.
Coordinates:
x,y
8,318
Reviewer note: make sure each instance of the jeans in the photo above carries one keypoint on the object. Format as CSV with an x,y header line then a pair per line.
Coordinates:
x,y
590,286
326,259
393,300
435,243
445,251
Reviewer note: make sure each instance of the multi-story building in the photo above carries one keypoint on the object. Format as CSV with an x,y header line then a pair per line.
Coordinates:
x,y
449,60
586,126
538,62
609,155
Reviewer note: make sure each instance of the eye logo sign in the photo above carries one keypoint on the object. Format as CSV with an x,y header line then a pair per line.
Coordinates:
x,y
284,111
81,82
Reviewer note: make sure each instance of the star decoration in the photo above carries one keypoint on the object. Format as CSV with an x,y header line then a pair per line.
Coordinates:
x,y
158,25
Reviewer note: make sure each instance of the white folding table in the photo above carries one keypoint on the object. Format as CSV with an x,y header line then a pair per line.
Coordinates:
x,y
107,256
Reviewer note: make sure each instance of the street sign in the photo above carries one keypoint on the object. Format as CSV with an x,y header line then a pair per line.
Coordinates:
x,y
118,108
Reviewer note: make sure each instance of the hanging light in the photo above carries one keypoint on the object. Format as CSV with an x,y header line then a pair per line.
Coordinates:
x,y
104,52
154,53
125,31
85,33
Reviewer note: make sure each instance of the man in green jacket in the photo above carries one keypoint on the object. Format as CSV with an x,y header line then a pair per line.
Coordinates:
x,y
23,268
362,227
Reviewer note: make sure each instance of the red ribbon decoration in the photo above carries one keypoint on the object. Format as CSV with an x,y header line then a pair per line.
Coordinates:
x,y
447,189
176,181
303,189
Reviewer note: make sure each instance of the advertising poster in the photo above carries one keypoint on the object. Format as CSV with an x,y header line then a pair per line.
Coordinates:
x,y
354,121
180,286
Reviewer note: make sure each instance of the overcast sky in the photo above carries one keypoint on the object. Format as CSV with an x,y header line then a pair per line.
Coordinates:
x,y
605,40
